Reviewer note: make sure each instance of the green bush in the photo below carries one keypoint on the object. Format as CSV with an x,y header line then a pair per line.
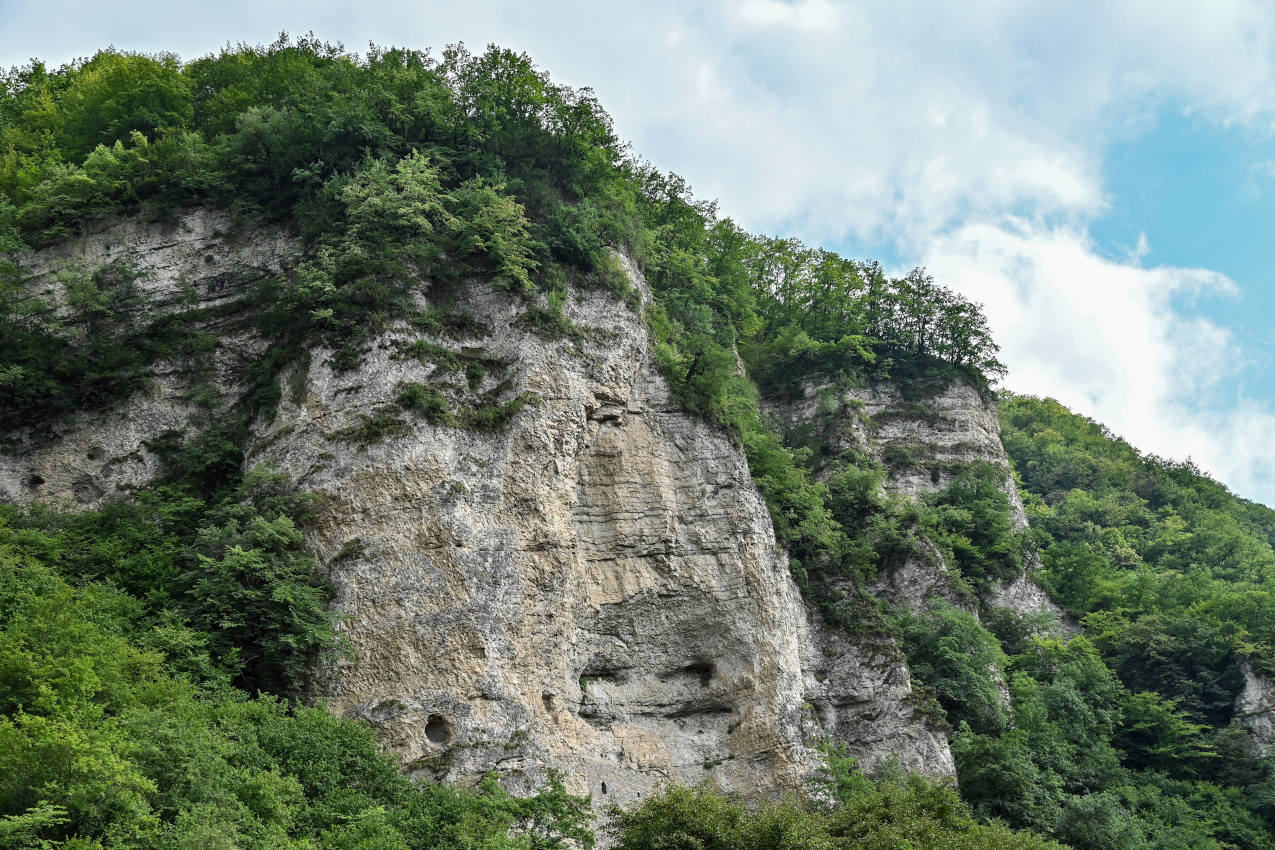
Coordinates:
x,y
494,416
118,727
424,400
372,429
951,652
857,814
971,519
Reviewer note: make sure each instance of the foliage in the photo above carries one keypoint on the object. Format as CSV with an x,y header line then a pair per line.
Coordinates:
x,y
971,519
408,177
118,725
426,401
857,814
492,417
90,353
1174,573
828,315
402,169
1123,737
230,565
952,653
372,429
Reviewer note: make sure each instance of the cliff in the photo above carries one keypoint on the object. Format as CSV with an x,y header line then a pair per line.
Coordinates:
x,y
566,572
923,436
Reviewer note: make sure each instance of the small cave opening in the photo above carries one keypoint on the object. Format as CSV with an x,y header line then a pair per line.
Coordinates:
x,y
604,787
438,730
935,476
698,672
35,479
547,699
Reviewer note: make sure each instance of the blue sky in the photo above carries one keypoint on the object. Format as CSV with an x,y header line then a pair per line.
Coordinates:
x,y
1200,193
1100,175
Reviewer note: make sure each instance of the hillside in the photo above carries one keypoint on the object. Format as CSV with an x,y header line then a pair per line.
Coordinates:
x,y
389,459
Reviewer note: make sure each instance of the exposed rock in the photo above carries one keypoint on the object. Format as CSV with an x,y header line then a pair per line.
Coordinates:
x,y
861,693
1255,708
195,258
919,580
196,263
1026,598
593,586
923,441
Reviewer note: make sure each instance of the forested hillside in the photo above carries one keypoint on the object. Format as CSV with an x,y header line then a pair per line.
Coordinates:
x,y
153,651
1171,575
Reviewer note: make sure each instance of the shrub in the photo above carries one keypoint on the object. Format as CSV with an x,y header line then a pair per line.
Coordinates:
x,y
372,429
424,400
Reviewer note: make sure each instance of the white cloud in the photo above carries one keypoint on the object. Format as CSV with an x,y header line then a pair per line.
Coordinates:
x,y
1102,336
920,127
811,15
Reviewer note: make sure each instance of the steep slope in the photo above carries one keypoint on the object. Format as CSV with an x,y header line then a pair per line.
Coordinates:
x,y
588,581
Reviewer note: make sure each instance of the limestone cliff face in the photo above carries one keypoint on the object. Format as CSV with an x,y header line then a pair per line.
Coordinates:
x,y
198,264
1255,708
923,440
593,586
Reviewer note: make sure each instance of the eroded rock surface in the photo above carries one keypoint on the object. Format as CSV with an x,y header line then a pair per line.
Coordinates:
x,y
198,263
924,440
1255,708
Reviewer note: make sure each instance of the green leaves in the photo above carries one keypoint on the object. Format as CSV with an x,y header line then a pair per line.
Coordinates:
x,y
950,652
489,232
392,209
117,94
971,518
106,742
825,315
1177,573
887,814
1154,734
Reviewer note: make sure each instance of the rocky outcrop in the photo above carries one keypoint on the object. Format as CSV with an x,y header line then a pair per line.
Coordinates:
x,y
1025,598
1255,708
589,583
198,264
923,439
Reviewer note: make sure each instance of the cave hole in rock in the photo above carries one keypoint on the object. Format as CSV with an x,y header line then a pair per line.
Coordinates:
x,y
547,699
35,479
602,668
701,672
604,787
935,476
438,730
87,490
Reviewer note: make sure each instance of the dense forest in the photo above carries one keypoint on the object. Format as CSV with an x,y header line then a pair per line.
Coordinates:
x,y
153,651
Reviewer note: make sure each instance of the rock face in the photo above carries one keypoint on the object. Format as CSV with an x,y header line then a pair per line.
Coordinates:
x,y
197,264
1255,708
923,439
591,586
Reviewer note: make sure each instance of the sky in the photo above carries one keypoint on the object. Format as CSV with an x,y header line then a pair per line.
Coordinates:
x,y
1101,176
